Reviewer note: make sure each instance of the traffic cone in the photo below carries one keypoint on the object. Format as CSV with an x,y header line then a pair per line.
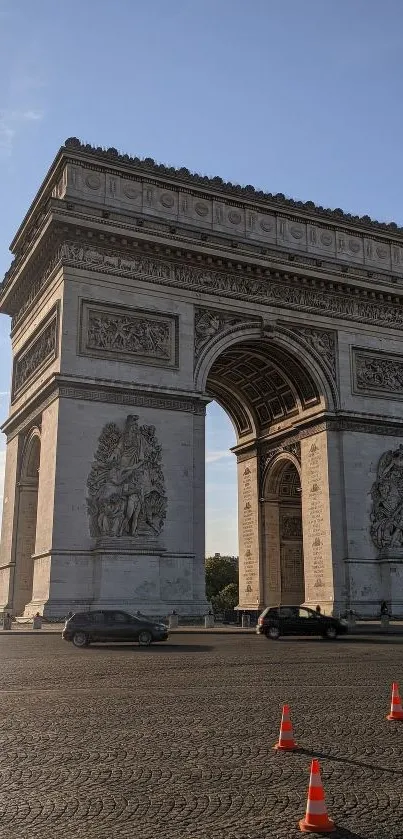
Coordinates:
x,y
396,710
286,740
316,819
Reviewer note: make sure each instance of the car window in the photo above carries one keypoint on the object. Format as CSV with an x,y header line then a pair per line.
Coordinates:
x,y
305,614
272,613
82,617
119,617
97,617
288,612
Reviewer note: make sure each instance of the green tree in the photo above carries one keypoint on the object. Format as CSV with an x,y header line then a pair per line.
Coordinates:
x,y
220,572
226,599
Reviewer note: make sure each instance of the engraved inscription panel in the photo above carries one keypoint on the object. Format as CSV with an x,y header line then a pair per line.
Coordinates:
x,y
248,534
316,518
128,335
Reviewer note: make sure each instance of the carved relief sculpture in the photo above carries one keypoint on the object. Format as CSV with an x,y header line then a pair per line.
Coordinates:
x,y
323,341
126,487
387,497
209,323
374,372
129,335
291,527
40,351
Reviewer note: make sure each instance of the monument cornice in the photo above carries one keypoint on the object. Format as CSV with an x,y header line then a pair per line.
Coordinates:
x,y
61,217
239,278
60,386
148,167
354,241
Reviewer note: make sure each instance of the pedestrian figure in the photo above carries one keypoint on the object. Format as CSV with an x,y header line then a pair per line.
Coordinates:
x,y
318,610
384,608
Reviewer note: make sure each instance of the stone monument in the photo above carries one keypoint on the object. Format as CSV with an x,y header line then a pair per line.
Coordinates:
x,y
138,293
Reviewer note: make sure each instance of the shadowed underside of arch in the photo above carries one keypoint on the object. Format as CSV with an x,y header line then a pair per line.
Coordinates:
x,y
261,385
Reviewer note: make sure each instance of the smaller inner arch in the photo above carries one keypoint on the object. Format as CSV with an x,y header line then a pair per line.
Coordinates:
x,y
282,536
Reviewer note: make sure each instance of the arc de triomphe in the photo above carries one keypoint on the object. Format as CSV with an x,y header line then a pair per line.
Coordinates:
x,y
137,294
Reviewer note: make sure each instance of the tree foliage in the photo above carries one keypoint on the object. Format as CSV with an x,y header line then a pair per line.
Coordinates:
x,y
226,599
221,571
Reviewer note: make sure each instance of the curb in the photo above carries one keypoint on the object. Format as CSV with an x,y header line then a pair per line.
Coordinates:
x,y
200,630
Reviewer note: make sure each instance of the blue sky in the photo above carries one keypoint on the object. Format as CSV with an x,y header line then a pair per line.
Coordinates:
x,y
301,97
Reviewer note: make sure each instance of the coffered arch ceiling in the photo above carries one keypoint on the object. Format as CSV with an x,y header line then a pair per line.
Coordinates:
x,y
261,386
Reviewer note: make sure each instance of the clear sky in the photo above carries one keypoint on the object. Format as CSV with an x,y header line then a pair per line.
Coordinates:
x,y
295,96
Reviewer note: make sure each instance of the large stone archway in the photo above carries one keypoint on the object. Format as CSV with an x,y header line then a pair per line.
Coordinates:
x,y
139,293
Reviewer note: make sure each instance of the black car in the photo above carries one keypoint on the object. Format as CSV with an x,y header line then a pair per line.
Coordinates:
x,y
298,620
112,625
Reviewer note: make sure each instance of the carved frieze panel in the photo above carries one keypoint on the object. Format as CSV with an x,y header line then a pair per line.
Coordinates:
x,y
126,486
387,501
39,352
242,287
377,374
275,290
126,334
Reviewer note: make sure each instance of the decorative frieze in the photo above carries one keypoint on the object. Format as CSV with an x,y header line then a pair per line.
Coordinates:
x,y
378,373
273,290
136,399
40,351
125,334
126,486
387,501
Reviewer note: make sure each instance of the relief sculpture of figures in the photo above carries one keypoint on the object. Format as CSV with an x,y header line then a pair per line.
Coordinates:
x,y
126,488
120,333
387,497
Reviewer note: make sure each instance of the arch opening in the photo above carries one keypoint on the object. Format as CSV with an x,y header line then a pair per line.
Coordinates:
x,y
262,386
26,523
267,390
284,578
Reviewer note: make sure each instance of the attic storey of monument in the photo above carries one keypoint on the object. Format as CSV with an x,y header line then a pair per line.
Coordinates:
x,y
137,294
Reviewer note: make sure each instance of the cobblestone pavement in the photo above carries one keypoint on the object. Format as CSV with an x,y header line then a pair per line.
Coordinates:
x,y
175,741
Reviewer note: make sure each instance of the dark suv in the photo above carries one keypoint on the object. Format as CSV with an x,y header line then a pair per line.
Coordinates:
x,y
112,625
298,620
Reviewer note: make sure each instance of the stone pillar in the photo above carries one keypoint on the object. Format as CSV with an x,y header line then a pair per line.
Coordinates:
x,y
323,522
9,524
80,560
271,552
250,570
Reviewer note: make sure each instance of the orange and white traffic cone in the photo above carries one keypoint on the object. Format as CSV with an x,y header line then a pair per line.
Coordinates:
x,y
316,819
396,710
286,740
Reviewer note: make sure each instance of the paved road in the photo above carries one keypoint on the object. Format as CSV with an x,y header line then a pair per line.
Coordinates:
x,y
176,741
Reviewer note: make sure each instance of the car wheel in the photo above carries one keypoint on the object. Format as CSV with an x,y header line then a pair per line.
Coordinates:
x,y
273,633
80,639
145,638
330,633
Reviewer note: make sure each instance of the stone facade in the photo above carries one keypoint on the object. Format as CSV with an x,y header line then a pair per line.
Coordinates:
x,y
137,294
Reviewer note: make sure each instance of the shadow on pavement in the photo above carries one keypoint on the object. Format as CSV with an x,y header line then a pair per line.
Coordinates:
x,y
346,639
153,648
344,833
326,755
